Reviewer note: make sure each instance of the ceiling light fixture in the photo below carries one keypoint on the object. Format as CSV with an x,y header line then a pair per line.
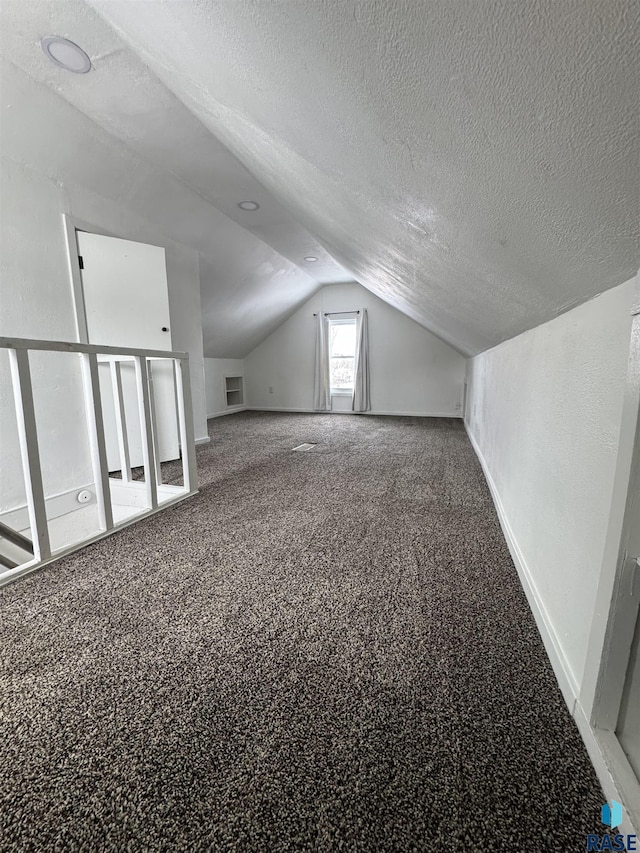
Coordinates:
x,y
248,205
311,259
66,54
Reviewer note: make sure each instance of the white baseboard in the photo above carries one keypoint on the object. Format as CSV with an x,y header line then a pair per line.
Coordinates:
x,y
65,502
561,668
231,411
204,440
611,766
57,505
134,494
347,412
172,496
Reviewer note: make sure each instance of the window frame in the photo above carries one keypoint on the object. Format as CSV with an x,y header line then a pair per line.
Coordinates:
x,y
346,318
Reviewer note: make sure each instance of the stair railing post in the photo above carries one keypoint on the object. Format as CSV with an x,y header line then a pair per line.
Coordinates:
x,y
95,427
31,466
185,420
121,420
146,430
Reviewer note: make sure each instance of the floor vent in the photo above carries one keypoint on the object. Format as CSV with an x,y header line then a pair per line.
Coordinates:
x,y
304,447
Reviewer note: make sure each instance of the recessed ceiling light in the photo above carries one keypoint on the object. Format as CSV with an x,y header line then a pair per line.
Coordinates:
x,y
248,205
66,54
311,259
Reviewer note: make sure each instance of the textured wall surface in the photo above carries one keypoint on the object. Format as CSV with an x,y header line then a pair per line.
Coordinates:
x,y
412,371
474,163
545,410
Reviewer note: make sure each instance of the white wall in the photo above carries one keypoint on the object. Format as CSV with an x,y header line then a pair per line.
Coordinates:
x,y
215,372
544,410
55,161
412,371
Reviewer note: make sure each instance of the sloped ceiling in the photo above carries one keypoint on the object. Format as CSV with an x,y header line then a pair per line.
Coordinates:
x,y
188,184
473,162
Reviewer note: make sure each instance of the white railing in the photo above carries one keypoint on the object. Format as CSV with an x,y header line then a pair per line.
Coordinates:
x,y
151,494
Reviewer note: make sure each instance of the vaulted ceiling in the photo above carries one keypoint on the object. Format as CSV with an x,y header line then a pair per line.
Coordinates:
x,y
184,180
476,163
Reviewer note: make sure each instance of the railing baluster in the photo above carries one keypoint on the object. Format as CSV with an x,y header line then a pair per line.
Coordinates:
x,y
146,431
154,424
28,435
95,426
185,419
121,421
19,351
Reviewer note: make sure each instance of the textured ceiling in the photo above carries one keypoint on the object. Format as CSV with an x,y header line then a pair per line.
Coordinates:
x,y
474,162
247,287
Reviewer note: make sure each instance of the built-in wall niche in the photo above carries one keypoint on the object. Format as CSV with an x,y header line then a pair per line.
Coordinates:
x,y
234,390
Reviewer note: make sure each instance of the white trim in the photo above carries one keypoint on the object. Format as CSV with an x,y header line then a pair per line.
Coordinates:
x,y
563,672
57,505
232,410
456,415
18,349
21,571
205,439
616,611
95,429
146,432
134,494
29,451
612,768
121,420
153,420
122,493
185,424
609,761
70,227
97,349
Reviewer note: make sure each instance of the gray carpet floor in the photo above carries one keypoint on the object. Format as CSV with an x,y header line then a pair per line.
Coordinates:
x,y
324,651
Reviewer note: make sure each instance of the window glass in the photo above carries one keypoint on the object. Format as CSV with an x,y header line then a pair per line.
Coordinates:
x,y
342,350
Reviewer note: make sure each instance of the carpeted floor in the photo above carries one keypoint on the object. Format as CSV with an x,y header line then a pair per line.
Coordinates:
x,y
324,651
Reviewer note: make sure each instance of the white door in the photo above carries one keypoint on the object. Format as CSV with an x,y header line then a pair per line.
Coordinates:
x,y
126,303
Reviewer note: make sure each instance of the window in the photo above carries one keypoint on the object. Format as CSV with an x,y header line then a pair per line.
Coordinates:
x,y
342,352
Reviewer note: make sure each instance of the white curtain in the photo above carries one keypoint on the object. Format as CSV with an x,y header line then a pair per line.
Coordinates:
x,y
361,401
322,381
